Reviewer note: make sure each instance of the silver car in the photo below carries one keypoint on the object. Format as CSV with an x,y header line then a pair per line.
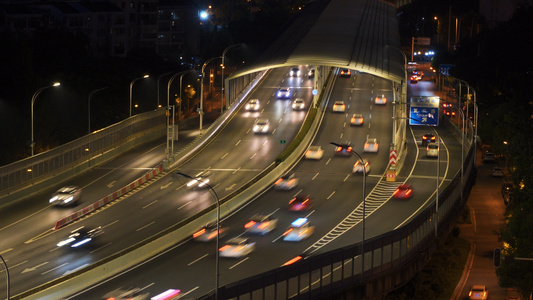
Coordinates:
x,y
261,125
65,196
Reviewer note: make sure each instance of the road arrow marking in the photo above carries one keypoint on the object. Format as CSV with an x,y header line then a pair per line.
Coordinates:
x,y
230,187
34,268
110,185
167,185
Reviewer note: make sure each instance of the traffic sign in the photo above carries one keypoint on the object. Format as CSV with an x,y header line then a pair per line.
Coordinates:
x,y
282,141
391,175
424,116
393,155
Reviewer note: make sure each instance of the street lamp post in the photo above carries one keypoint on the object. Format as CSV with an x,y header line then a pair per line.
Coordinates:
x,y
364,208
218,230
403,86
201,110
131,87
158,81
33,102
462,148
222,76
89,107
7,276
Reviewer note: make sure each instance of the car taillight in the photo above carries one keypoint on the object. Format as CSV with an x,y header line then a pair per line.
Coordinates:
x,y
349,149
339,149
292,200
396,192
366,145
239,249
224,248
249,224
297,258
469,293
287,232
263,225
199,233
433,138
278,181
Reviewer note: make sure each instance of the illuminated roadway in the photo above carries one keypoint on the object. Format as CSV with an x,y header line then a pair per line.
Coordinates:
x,y
190,266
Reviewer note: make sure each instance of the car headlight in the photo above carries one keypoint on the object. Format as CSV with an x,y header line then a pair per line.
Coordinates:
x,y
53,199
69,199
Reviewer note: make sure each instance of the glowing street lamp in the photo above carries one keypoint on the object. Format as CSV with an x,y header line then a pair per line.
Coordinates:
x,y
32,145
131,87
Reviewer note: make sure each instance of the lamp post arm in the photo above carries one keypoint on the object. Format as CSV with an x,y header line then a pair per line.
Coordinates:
x,y
89,108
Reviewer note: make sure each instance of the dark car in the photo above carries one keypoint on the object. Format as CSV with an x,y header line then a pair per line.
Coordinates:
x,y
300,203
344,149
428,138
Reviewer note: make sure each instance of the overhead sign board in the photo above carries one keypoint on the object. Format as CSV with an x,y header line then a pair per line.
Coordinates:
x,y
424,111
445,69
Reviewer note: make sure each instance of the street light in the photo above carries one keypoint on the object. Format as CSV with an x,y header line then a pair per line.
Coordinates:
x,y
7,276
158,80
32,102
364,208
89,107
131,87
462,148
201,110
170,149
218,228
222,72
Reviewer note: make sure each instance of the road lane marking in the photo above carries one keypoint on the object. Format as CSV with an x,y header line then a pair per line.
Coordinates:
x,y
239,141
328,161
231,187
151,223
153,202
184,205
274,131
34,268
341,134
167,185
297,193
13,266
315,176
198,259
253,155
239,263
266,142
236,170
100,248
111,184
224,156
331,195
346,178
6,251
53,269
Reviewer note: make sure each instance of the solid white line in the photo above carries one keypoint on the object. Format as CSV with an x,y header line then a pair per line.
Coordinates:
x,y
192,262
236,170
11,267
184,205
145,226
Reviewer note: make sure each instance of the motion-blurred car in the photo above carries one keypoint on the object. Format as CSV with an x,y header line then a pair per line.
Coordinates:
x,y
298,104
344,149
199,180
371,145
380,100
299,230
346,73
286,182
311,73
80,236
413,80
131,294
497,172
261,224
358,167
208,232
339,106
237,247
478,292
284,93
314,152
419,75
432,150
253,105
295,72
357,119
403,191
428,138
261,125
65,196
300,203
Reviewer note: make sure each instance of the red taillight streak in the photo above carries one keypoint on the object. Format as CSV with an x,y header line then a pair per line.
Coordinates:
x,y
249,224
224,248
199,233
279,181
239,249
287,232
339,149
212,235
263,225
292,200
297,258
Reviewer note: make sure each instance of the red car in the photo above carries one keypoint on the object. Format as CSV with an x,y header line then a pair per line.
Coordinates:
x,y
300,203
403,191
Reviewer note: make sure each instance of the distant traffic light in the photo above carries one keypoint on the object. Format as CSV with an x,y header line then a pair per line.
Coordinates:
x,y
497,256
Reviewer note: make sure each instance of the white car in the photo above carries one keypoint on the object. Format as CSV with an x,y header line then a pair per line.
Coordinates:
x,y
314,152
311,73
357,119
298,104
497,172
432,150
295,72
199,180
358,167
261,125
380,100
66,196
260,224
286,182
299,230
237,247
478,292
253,105
371,145
284,93
339,106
